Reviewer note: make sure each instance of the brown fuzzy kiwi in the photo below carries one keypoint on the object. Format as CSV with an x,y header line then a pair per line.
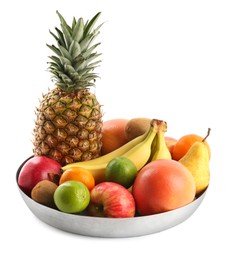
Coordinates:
x,y
43,193
136,127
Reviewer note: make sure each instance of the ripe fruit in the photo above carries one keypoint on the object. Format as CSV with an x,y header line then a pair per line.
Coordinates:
x,y
72,197
109,199
113,135
136,127
163,185
78,174
43,193
141,153
184,143
122,171
196,160
69,118
170,142
159,149
137,151
36,169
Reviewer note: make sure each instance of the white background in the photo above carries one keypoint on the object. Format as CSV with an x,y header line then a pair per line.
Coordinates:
x,y
170,60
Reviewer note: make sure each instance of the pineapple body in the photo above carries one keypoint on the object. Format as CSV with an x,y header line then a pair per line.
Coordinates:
x,y
69,120
68,126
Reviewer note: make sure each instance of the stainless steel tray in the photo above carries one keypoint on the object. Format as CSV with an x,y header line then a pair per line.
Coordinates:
x,y
110,227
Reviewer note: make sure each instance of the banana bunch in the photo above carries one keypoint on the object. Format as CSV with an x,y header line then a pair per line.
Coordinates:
x,y
159,148
137,150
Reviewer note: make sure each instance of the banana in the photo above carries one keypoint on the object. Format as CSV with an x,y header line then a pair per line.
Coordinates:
x,y
108,157
159,147
138,153
141,153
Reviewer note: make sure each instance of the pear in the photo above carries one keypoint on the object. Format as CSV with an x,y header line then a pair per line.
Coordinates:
x,y
197,161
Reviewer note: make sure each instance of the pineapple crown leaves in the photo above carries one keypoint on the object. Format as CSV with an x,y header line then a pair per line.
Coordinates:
x,y
75,57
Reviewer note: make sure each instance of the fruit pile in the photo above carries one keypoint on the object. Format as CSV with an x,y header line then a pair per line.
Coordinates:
x,y
149,173
118,168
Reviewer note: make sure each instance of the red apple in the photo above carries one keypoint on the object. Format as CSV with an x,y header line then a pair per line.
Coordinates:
x,y
170,142
36,169
109,199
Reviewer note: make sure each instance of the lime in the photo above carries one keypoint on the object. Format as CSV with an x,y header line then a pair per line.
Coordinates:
x,y
122,171
72,197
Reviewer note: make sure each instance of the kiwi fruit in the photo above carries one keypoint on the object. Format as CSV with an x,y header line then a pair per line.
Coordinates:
x,y
136,127
43,193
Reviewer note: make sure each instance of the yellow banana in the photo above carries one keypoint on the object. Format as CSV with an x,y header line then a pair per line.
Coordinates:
x,y
159,147
139,154
108,157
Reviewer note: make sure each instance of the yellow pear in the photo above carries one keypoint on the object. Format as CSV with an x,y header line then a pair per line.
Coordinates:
x,y
197,161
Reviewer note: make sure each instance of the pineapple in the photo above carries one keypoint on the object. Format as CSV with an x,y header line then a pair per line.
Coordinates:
x,y
69,119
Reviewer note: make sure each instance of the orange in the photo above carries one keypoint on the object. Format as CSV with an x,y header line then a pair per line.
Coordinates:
x,y
163,185
78,174
113,135
184,143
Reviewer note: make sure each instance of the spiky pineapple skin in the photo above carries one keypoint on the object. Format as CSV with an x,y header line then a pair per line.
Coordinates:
x,y
68,126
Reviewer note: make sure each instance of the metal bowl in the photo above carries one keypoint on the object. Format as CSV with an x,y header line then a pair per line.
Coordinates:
x,y
110,227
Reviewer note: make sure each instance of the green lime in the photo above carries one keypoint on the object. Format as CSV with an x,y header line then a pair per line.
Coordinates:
x,y
72,197
122,171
